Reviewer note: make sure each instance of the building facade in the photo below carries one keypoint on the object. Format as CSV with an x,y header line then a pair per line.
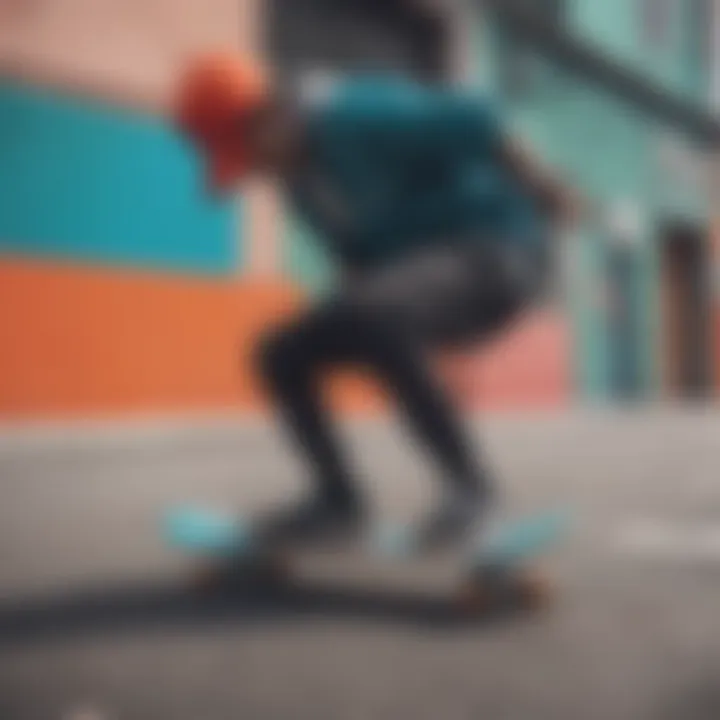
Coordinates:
x,y
123,290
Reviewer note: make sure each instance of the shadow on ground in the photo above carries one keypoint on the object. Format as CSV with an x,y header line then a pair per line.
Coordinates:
x,y
142,607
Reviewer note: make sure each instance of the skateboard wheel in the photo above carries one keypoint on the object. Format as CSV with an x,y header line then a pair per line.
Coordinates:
x,y
273,570
208,577
473,600
486,592
534,590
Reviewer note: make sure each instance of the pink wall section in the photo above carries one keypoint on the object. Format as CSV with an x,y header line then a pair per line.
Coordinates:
x,y
528,367
118,48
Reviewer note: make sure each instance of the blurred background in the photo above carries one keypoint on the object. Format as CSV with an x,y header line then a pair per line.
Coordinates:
x,y
125,291
129,304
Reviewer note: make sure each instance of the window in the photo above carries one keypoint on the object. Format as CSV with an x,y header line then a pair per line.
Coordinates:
x,y
698,46
347,35
547,10
519,66
682,32
656,22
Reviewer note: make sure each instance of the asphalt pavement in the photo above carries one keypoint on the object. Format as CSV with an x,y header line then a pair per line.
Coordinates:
x,y
97,624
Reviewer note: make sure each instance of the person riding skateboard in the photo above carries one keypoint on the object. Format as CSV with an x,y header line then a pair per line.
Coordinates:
x,y
440,224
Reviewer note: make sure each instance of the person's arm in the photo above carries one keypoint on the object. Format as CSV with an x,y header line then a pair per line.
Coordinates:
x,y
554,196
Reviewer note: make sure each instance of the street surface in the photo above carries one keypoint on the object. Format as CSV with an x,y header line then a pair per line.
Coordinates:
x,y
95,625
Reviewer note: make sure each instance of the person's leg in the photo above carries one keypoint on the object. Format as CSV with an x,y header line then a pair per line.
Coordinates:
x,y
454,296
399,358
386,323
292,360
363,327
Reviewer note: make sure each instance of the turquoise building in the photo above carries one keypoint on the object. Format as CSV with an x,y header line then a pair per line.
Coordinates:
x,y
647,181
637,283
635,279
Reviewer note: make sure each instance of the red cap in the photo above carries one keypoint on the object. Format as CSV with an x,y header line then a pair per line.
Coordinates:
x,y
216,90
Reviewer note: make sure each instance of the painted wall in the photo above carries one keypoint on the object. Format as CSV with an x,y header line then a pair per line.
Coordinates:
x,y
121,289
115,48
105,236
87,341
85,182
671,41
620,159
658,37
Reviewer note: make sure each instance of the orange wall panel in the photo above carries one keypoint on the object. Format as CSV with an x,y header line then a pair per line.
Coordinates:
x,y
80,341
88,341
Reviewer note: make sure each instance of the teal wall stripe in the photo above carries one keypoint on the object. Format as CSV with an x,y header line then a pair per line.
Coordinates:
x,y
303,258
84,181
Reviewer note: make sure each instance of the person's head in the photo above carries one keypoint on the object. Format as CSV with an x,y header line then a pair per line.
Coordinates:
x,y
228,108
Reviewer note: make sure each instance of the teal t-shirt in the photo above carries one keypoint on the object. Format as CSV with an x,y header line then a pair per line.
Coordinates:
x,y
393,165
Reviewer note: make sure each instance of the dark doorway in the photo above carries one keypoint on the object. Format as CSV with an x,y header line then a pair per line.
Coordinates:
x,y
352,35
522,73
623,265
686,311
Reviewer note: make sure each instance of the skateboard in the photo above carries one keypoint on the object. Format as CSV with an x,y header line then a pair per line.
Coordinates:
x,y
500,567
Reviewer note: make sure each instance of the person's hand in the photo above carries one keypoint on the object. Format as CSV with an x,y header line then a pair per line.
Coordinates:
x,y
566,207
574,209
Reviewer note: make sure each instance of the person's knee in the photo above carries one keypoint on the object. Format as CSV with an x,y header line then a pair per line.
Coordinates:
x,y
279,358
348,328
271,355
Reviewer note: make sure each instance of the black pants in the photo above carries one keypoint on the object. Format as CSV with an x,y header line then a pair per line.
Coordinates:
x,y
390,321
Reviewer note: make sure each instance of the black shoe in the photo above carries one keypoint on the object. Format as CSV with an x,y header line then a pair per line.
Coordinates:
x,y
316,520
458,519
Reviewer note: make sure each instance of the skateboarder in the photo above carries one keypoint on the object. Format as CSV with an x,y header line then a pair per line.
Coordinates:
x,y
439,224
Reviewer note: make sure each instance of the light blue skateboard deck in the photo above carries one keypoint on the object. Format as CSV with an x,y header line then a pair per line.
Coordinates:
x,y
210,534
